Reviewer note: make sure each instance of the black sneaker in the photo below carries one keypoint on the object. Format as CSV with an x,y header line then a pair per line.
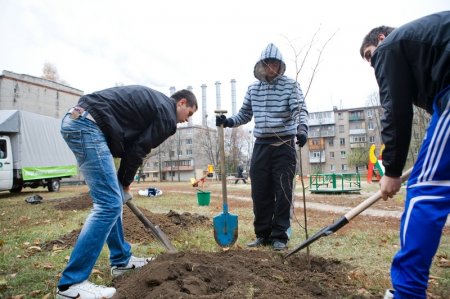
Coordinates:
x,y
279,245
260,241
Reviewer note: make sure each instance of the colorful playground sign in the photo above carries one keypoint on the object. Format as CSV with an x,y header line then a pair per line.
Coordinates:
x,y
375,163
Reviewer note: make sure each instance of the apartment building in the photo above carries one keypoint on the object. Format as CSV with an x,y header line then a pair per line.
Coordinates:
x,y
184,155
339,140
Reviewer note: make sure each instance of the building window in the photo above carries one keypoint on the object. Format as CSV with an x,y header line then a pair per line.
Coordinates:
x,y
344,167
332,167
357,139
343,154
342,141
180,153
155,164
370,125
341,129
172,154
189,152
340,115
316,141
315,154
188,141
331,142
372,139
332,155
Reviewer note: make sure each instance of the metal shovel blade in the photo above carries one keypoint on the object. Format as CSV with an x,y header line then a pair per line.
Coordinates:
x,y
326,231
225,228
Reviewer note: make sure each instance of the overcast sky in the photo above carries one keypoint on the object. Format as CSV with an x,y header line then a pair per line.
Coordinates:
x,y
95,44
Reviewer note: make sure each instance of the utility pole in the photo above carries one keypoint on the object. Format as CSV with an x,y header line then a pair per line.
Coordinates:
x,y
159,163
178,150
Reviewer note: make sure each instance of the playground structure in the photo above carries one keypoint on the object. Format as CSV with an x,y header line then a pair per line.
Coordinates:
x,y
347,182
375,165
335,183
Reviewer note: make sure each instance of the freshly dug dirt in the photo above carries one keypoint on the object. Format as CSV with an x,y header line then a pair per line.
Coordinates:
x,y
171,223
239,274
236,273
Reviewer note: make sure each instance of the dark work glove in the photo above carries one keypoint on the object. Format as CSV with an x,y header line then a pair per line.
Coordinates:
x,y
302,135
223,120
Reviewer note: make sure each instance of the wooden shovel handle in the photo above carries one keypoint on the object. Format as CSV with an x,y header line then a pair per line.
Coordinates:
x,y
222,160
371,200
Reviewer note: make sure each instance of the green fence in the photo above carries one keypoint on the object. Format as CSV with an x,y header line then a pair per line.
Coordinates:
x,y
334,182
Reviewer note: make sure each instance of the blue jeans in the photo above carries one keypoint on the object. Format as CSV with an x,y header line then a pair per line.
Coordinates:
x,y
104,223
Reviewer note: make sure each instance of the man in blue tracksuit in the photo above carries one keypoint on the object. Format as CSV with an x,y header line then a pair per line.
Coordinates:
x,y
277,103
412,66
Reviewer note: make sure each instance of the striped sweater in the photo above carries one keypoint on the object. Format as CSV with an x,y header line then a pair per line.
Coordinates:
x,y
278,106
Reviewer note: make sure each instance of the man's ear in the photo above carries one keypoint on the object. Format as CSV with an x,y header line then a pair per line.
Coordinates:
x,y
381,37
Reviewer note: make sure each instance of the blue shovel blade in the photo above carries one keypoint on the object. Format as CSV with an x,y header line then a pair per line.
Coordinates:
x,y
225,229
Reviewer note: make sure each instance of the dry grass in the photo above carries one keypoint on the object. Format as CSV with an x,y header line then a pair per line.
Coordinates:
x,y
367,242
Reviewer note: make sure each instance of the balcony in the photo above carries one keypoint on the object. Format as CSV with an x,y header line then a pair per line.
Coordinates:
x,y
357,131
356,117
176,168
321,121
317,160
358,144
324,133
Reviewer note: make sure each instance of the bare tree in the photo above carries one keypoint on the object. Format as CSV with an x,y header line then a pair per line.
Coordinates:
x,y
421,119
300,59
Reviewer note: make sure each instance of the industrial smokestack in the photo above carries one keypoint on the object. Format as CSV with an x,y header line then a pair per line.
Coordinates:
x,y
233,97
204,113
172,90
218,100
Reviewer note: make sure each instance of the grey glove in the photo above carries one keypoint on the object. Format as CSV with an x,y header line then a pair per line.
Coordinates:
x,y
127,196
302,135
223,120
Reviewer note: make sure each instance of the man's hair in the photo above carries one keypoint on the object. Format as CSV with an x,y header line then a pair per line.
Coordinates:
x,y
186,94
371,39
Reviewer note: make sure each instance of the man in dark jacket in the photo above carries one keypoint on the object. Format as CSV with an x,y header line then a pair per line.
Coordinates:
x,y
412,66
240,174
124,122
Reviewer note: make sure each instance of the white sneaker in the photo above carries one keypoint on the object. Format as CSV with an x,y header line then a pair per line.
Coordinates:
x,y
86,290
134,263
389,294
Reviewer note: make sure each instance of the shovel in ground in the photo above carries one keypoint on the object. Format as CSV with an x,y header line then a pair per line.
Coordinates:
x,y
225,224
154,229
328,230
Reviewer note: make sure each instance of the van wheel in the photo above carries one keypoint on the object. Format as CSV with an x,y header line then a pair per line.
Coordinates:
x,y
15,189
53,185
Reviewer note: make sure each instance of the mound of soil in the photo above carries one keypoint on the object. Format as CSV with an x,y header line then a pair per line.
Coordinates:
x,y
239,274
171,223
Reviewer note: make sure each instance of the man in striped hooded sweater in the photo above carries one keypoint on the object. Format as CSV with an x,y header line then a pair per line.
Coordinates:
x,y
277,104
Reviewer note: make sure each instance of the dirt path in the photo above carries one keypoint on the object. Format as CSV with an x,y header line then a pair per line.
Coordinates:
x,y
337,209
